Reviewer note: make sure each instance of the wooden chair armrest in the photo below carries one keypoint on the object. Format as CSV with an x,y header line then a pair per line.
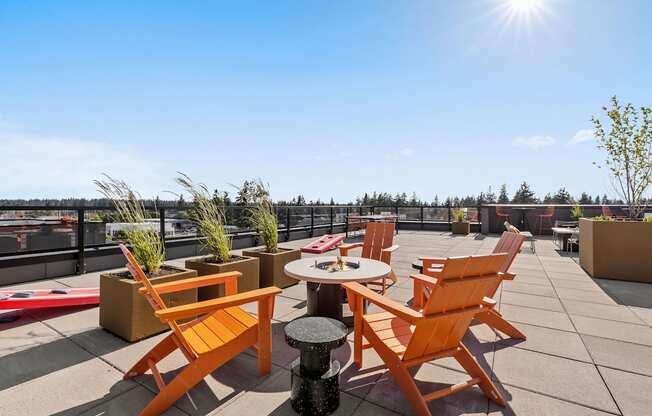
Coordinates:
x,y
433,260
507,276
488,302
387,304
344,248
195,282
390,249
200,308
430,281
350,246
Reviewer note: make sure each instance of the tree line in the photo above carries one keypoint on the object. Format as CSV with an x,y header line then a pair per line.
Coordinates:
x,y
251,190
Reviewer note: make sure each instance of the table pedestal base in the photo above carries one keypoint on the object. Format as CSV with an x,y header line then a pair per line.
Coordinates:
x,y
325,300
314,394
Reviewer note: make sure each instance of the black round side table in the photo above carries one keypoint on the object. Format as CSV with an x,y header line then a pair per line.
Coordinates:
x,y
315,376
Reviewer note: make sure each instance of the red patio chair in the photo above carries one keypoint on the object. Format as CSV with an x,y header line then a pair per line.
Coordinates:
x,y
548,213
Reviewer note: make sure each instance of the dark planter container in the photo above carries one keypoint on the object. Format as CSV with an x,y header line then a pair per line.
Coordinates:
x,y
272,266
248,266
127,314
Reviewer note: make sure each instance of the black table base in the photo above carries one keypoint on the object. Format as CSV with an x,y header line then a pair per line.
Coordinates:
x,y
328,300
315,376
315,396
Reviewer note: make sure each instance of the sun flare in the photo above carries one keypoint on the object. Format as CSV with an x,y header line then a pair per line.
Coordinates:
x,y
525,6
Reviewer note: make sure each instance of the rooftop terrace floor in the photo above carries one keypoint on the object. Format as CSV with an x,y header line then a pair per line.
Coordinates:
x,y
588,352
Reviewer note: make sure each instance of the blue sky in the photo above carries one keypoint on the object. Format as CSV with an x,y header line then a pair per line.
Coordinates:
x,y
323,98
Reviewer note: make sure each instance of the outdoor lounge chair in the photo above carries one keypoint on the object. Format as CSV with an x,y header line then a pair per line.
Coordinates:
x,y
219,331
404,337
377,245
510,244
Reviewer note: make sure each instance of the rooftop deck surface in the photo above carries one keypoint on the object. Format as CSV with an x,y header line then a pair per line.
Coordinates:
x,y
588,352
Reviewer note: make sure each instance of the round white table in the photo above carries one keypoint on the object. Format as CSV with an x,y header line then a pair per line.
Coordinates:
x,y
324,291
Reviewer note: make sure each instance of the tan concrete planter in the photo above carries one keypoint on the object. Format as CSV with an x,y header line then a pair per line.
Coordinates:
x,y
272,266
461,227
127,314
619,250
248,266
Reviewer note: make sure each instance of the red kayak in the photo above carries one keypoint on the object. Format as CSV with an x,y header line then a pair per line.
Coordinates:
x,y
48,298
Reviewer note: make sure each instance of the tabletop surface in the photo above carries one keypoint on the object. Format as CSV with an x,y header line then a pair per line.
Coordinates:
x,y
308,331
305,269
563,230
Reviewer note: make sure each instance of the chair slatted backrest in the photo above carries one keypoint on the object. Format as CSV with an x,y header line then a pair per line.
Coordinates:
x,y
453,302
151,295
378,236
509,243
550,210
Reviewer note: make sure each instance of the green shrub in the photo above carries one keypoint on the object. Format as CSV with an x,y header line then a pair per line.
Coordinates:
x,y
648,218
459,215
576,212
209,219
602,218
146,244
263,219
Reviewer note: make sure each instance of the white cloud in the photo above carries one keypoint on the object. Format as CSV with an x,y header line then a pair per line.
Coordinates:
x,y
584,135
534,142
407,152
34,166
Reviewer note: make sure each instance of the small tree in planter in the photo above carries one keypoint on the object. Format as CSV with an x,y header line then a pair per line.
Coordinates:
x,y
459,226
272,258
210,221
629,152
620,249
123,310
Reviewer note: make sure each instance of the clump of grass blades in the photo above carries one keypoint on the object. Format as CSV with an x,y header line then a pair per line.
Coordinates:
x,y
263,219
459,215
209,219
146,244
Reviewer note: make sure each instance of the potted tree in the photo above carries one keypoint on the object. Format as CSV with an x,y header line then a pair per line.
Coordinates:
x,y
209,218
124,311
272,258
621,249
576,213
459,226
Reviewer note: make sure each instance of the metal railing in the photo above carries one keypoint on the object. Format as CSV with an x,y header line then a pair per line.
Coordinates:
x,y
46,230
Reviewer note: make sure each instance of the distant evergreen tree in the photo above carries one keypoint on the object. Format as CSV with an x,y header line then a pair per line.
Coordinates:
x,y
524,195
503,198
585,199
562,197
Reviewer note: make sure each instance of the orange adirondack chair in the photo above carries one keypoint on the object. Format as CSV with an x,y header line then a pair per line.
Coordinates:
x,y
377,245
219,331
510,244
404,337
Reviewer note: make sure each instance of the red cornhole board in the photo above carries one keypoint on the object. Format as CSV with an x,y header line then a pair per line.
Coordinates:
x,y
323,244
45,298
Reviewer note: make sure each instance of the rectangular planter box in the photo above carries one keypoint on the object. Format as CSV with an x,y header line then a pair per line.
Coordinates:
x,y
272,266
248,266
461,227
619,250
127,314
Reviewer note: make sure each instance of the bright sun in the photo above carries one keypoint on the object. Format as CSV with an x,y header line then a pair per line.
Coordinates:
x,y
525,7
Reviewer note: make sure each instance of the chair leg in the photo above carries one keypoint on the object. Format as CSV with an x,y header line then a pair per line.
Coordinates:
x,y
192,374
156,354
472,367
496,321
409,388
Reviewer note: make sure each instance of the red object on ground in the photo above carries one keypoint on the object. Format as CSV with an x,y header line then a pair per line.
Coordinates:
x,y
45,298
323,244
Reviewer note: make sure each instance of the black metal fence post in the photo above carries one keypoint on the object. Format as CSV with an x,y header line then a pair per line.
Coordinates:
x,y
397,221
331,215
450,226
346,225
421,216
81,230
287,229
312,221
161,230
